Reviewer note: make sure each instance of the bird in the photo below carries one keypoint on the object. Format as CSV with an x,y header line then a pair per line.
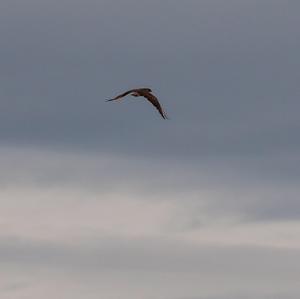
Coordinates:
x,y
142,92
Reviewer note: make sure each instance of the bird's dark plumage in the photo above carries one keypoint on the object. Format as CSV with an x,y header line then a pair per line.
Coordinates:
x,y
146,93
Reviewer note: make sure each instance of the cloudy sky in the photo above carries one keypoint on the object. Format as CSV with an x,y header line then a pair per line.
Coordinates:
x,y
108,200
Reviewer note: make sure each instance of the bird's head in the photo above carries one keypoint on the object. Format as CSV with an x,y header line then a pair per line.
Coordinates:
x,y
149,89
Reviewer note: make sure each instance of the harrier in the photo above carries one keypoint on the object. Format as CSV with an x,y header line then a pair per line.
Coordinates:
x,y
146,93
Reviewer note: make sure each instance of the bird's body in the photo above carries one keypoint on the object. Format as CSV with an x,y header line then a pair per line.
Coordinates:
x,y
146,93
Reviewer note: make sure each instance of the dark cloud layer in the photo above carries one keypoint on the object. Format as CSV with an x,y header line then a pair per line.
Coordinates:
x,y
153,255
226,72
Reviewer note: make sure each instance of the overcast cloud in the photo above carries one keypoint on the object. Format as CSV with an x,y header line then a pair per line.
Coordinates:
x,y
108,200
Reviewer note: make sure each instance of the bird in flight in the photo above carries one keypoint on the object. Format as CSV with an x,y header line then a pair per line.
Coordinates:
x,y
143,92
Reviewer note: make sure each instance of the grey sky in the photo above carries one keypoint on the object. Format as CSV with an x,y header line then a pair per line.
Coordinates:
x,y
226,72
108,200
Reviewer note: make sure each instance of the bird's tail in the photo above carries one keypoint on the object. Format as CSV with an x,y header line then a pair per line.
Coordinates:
x,y
164,114
109,100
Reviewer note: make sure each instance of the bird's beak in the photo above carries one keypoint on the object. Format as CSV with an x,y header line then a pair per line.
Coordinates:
x,y
108,100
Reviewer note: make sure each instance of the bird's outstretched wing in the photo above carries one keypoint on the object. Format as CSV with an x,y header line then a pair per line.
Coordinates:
x,y
121,95
154,101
